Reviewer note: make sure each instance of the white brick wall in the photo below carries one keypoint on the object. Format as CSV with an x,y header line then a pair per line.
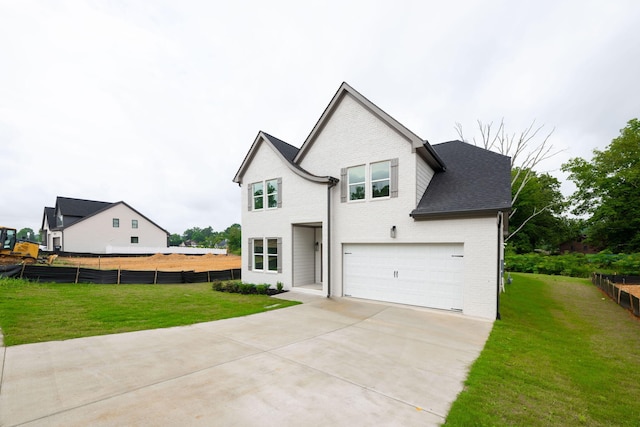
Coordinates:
x,y
302,202
353,136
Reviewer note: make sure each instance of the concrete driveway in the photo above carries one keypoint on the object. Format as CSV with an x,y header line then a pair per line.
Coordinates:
x,y
326,362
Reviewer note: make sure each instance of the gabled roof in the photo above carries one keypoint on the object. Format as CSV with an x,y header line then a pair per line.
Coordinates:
x,y
80,210
49,217
285,151
476,181
422,147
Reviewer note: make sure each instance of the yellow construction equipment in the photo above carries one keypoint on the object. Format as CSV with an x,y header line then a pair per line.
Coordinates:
x,y
14,251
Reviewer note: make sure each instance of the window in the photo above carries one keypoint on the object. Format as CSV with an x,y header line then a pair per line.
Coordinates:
x,y
116,222
380,178
258,254
272,193
272,254
266,254
258,191
134,223
265,194
356,182
134,239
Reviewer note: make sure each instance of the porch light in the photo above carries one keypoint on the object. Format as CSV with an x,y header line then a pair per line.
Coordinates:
x,y
317,245
393,232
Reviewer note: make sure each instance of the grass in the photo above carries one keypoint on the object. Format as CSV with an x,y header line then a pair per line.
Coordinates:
x,y
564,354
36,312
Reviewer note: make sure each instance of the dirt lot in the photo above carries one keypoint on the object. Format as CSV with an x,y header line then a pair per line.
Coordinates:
x,y
631,289
173,262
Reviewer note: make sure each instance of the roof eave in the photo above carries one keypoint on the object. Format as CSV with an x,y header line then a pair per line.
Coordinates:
x,y
418,216
426,151
294,168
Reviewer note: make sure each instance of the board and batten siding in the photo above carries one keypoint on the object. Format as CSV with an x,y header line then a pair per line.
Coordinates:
x,y
303,256
423,177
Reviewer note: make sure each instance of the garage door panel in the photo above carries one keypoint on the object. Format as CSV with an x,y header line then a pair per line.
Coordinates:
x,y
429,275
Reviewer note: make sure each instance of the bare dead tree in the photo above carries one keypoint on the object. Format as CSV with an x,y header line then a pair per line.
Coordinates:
x,y
526,154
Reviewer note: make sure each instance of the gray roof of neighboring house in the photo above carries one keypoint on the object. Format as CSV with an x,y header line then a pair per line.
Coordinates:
x,y
79,207
475,181
50,217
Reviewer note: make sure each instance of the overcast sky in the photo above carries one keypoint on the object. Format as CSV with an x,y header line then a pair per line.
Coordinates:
x,y
156,103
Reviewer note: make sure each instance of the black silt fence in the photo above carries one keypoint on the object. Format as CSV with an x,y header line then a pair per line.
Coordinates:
x,y
10,270
635,305
622,280
87,275
623,298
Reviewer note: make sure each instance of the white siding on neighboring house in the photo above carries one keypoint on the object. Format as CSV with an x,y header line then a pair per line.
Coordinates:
x,y
95,233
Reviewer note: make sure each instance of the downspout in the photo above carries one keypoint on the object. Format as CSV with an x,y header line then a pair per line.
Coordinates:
x,y
499,276
332,183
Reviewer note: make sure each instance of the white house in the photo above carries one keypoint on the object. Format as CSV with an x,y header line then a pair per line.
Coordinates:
x,y
367,209
88,226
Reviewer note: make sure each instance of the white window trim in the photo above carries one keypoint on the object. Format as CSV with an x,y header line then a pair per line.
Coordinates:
x,y
265,255
345,193
265,200
372,181
265,195
269,256
364,184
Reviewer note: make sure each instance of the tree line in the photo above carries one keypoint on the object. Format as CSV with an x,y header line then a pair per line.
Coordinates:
x,y
230,238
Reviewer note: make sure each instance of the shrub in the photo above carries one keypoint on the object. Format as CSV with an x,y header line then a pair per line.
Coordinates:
x,y
231,286
262,289
246,288
574,264
279,286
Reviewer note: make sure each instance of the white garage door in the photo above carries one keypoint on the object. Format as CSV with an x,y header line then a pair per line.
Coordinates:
x,y
428,275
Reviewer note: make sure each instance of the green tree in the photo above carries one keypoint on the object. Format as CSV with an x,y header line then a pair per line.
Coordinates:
x,y
233,234
175,240
535,221
27,234
608,190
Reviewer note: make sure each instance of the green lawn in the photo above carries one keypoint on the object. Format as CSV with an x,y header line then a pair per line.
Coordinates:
x,y
36,312
564,354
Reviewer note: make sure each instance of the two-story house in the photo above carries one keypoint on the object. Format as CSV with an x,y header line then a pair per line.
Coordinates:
x,y
90,226
367,209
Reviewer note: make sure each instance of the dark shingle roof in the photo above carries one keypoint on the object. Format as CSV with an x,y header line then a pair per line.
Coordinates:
x,y
287,150
79,207
476,180
50,217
